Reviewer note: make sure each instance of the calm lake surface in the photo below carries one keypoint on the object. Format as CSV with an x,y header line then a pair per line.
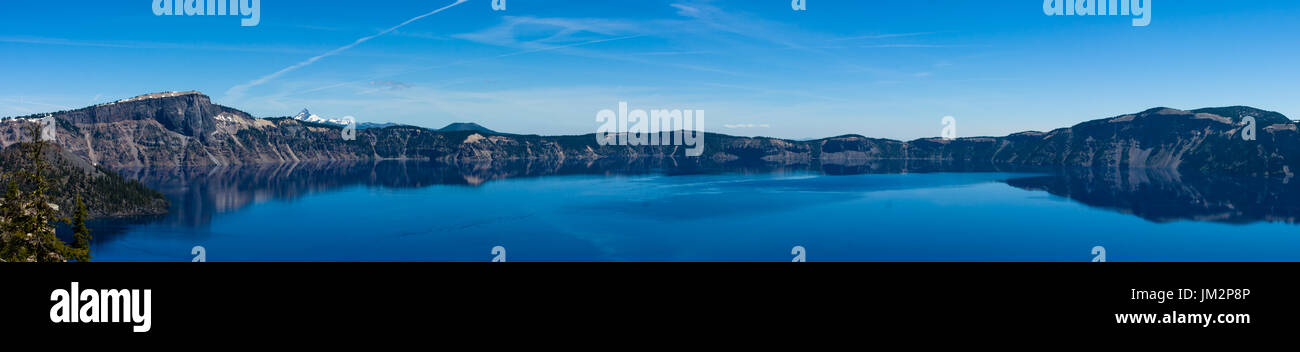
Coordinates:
x,y
396,211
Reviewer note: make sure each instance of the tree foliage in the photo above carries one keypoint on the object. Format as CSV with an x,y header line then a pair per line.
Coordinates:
x,y
28,215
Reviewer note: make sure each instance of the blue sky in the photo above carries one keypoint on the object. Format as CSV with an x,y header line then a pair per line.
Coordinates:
x,y
879,68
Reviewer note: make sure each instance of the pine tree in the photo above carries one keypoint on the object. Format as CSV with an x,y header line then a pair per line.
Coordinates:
x,y
30,215
11,245
80,233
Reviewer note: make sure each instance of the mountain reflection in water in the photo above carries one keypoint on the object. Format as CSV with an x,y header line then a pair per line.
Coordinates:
x,y
1155,195
662,210
1167,196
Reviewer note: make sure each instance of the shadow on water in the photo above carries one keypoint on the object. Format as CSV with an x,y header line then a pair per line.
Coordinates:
x,y
198,194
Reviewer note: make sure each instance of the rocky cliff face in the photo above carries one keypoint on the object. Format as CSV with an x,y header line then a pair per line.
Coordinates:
x,y
1205,140
186,129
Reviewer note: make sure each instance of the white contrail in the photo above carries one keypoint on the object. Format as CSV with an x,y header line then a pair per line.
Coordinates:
x,y
239,89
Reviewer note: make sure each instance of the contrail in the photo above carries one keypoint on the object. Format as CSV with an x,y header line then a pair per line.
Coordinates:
x,y
239,89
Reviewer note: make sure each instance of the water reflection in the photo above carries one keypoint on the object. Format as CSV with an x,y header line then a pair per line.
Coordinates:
x,y
197,194
1167,196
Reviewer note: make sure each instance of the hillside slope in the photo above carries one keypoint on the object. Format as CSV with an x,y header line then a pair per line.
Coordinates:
x,y
186,129
105,193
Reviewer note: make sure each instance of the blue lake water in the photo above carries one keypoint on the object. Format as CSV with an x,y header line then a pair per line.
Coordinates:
x,y
418,213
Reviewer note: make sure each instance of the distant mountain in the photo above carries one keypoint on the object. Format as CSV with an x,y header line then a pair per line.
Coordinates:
x,y
366,125
186,129
466,126
307,116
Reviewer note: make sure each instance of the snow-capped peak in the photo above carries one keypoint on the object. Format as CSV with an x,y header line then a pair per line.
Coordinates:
x,y
309,117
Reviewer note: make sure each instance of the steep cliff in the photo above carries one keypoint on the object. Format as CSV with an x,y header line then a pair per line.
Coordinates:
x,y
186,129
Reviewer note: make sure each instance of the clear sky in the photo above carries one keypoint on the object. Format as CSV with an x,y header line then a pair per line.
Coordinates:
x,y
879,68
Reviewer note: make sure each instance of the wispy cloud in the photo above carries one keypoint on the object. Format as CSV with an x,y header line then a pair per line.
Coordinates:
x,y
16,106
145,45
559,34
557,47
885,36
390,84
746,125
933,46
239,90
450,64
551,31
